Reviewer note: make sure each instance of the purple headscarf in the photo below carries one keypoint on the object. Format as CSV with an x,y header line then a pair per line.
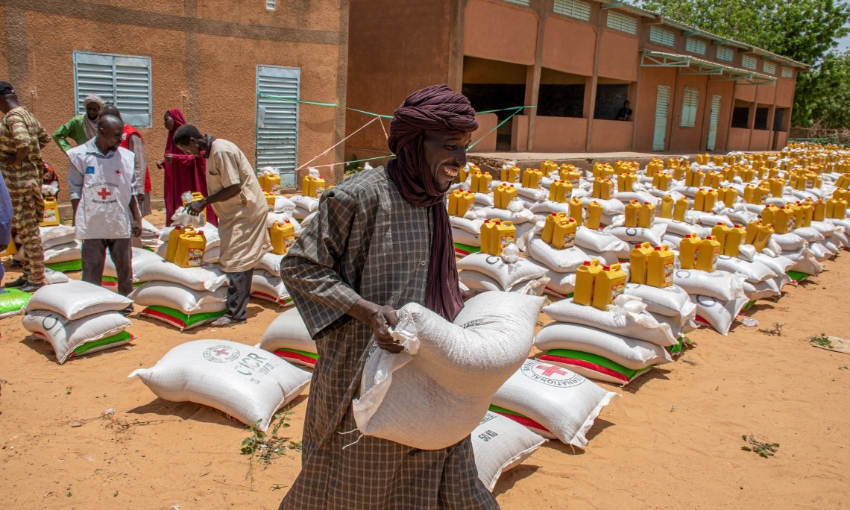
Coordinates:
x,y
435,108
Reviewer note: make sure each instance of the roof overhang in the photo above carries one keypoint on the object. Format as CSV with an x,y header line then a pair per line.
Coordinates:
x,y
687,64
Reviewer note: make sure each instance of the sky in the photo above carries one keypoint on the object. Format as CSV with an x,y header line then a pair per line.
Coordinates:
x,y
844,43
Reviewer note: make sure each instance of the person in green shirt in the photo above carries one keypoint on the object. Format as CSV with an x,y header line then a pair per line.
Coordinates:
x,y
81,128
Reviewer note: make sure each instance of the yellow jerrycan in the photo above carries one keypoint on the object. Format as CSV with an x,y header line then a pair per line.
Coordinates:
x,y
753,231
734,239
819,210
637,263
269,200
730,197
576,209
560,191
681,207
699,199
585,279
633,209
808,210
710,199
606,189
707,252
173,241
564,234
498,197
768,213
660,266
608,284
667,207
50,217
570,174
646,215
763,236
488,232
531,178
797,211
510,174
505,235
783,220
594,215
720,232
549,225
308,186
190,249
839,210
270,183
10,250
282,236
688,251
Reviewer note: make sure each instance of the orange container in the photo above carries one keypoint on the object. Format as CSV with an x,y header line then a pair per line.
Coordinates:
x,y
661,263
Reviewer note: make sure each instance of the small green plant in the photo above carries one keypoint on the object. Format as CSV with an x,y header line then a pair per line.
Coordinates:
x,y
776,330
763,449
821,341
266,446
67,390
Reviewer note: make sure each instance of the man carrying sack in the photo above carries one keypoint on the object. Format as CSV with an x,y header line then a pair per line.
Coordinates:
x,y
380,240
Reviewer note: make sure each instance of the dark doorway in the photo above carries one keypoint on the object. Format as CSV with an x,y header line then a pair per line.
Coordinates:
x,y
609,100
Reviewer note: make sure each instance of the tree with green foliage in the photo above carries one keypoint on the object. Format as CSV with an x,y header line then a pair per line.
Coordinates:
x,y
826,91
804,30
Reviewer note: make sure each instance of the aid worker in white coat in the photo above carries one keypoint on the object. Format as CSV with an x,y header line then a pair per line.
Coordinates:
x,y
102,183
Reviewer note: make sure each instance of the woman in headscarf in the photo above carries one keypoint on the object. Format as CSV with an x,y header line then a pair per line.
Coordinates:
x,y
183,172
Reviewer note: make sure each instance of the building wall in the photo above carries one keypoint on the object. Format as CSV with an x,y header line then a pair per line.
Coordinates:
x,y
761,140
204,55
569,46
500,32
396,47
651,79
560,134
611,135
726,91
619,56
687,139
485,135
739,139
785,92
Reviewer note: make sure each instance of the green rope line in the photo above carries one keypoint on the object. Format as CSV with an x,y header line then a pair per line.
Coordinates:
x,y
516,109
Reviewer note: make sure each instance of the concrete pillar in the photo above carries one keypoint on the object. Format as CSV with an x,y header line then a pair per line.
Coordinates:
x,y
751,121
590,99
532,79
634,100
456,41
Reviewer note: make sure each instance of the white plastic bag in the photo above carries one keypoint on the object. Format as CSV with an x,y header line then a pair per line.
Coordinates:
x,y
242,381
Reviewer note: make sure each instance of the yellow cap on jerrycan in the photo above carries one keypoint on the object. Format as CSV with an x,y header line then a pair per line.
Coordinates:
x,y
190,249
688,251
488,232
632,212
681,207
819,210
734,240
608,284
594,215
763,237
707,253
50,217
637,263
505,234
173,241
646,215
783,220
667,207
282,236
720,232
585,278
564,234
660,266
549,225
576,209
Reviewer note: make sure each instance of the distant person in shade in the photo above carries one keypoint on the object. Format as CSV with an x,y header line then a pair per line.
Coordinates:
x,y
625,112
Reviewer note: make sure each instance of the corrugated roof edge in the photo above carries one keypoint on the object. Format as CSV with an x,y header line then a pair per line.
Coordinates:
x,y
613,4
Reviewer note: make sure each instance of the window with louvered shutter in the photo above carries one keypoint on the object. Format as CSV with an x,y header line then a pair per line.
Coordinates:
x,y
787,72
271,5
695,46
749,62
119,80
662,36
622,22
519,2
769,68
724,53
573,8
690,100
277,120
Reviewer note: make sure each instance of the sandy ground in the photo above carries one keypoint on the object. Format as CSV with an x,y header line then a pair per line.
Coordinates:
x,y
672,441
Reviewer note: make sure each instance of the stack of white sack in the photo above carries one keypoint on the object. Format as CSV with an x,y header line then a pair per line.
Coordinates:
x,y
283,205
616,345
499,445
670,305
244,382
77,318
551,401
62,252
719,295
508,273
448,370
184,297
834,236
761,280
304,206
210,231
466,232
637,235
821,248
288,338
141,259
150,235
269,287
841,230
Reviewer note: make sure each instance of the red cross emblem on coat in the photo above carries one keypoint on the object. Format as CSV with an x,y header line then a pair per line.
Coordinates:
x,y
549,370
103,194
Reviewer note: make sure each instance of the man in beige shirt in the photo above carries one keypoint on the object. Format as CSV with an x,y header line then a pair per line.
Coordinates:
x,y
238,201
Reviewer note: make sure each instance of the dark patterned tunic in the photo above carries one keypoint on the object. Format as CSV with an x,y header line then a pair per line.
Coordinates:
x,y
365,241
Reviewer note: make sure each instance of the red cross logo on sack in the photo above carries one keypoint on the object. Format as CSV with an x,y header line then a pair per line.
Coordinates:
x,y
118,172
550,375
103,194
221,354
550,370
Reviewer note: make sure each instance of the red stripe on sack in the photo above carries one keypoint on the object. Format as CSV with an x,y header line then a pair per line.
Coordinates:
x,y
108,284
294,355
161,316
525,422
461,252
263,295
586,364
555,292
702,321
